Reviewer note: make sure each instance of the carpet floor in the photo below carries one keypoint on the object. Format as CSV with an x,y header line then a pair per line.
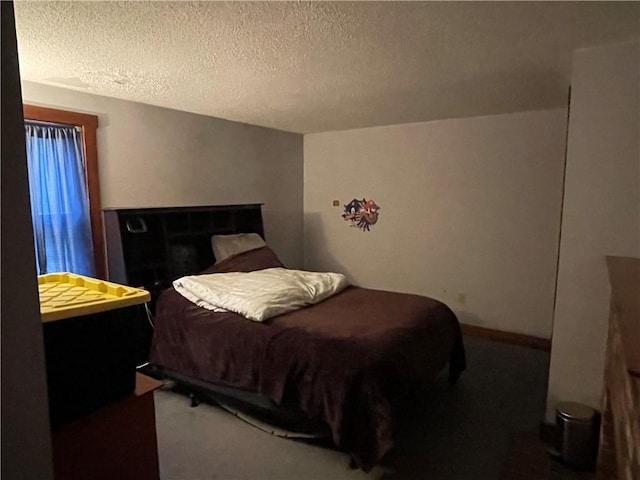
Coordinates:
x,y
462,432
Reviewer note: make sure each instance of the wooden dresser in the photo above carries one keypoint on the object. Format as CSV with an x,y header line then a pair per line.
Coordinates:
x,y
620,435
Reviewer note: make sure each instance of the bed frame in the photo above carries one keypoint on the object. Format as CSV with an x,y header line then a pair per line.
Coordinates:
x,y
151,247
287,418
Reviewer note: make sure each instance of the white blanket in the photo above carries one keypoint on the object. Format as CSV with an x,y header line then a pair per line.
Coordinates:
x,y
262,294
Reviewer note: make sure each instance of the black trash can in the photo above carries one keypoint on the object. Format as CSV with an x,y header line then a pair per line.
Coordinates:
x,y
578,428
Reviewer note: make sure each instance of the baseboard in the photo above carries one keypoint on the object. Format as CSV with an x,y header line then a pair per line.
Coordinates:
x,y
508,337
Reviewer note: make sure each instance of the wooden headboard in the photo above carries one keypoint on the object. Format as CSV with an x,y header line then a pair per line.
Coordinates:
x,y
151,247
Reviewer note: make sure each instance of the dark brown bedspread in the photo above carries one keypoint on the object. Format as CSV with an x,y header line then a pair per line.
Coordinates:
x,y
349,360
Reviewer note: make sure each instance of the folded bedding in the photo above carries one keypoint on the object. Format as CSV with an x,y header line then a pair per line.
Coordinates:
x,y
262,294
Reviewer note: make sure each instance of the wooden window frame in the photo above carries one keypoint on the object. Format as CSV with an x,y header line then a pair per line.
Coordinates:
x,y
89,126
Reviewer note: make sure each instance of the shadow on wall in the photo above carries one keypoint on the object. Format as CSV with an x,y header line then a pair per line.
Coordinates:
x,y
316,249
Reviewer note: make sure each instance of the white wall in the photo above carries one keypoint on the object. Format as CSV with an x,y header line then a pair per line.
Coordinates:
x,y
601,215
470,212
154,157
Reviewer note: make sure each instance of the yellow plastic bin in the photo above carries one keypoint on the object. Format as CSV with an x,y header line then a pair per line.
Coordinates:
x,y
89,345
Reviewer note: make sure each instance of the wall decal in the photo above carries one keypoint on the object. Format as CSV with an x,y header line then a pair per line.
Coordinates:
x,y
361,213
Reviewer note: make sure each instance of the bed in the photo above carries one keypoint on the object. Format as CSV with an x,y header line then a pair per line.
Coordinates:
x,y
350,361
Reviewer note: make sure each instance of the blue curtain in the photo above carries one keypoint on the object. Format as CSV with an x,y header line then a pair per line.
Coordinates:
x,y
59,200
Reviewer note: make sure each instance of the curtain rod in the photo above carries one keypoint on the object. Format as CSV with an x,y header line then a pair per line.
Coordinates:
x,y
52,124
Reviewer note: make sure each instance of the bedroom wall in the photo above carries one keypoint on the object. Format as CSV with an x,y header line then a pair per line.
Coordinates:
x,y
154,157
470,212
601,215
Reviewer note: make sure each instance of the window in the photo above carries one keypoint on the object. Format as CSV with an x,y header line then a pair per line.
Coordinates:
x,y
77,135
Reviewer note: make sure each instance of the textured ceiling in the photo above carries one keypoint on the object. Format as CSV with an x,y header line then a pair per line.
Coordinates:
x,y
317,66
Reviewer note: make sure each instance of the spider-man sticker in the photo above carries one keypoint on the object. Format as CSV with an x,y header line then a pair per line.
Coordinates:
x,y
361,213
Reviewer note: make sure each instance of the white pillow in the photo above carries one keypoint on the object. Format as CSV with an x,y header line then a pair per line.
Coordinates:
x,y
225,246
